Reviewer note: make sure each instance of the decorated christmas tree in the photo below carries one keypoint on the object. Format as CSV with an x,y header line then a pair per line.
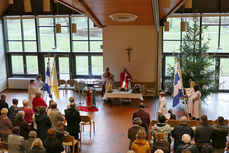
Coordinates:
x,y
196,64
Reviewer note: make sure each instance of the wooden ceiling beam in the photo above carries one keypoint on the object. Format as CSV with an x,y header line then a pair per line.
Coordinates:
x,y
72,5
176,7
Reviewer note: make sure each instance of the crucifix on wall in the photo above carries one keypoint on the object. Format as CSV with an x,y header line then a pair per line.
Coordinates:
x,y
129,50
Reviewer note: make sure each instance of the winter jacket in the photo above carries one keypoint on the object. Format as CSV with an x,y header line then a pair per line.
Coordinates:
x,y
163,145
24,127
28,114
55,116
12,113
15,144
144,117
141,146
162,127
220,132
132,132
73,120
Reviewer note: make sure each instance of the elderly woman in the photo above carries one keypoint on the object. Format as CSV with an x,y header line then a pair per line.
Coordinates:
x,y
5,124
13,110
186,145
28,111
37,147
161,143
54,115
140,145
38,101
20,122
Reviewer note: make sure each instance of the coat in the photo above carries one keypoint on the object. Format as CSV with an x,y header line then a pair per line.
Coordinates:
x,y
24,127
179,131
43,124
15,144
162,109
28,144
196,112
38,102
188,146
163,145
37,149
53,145
28,114
5,127
161,127
73,120
12,112
3,104
144,117
132,132
55,116
141,146
220,132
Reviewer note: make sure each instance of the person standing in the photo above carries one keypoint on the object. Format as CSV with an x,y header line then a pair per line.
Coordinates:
x,y
52,144
196,111
39,84
13,110
189,93
38,101
20,122
54,115
28,111
140,145
162,110
125,79
5,125
108,78
31,92
3,103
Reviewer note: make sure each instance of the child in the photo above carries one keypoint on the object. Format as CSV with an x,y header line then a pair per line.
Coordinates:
x,y
162,110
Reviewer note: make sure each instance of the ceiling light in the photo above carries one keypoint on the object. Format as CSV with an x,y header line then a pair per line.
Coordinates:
x,y
123,17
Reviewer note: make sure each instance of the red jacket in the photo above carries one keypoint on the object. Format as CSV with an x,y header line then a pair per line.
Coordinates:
x,y
38,101
28,114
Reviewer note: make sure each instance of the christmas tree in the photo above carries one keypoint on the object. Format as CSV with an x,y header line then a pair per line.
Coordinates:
x,y
196,64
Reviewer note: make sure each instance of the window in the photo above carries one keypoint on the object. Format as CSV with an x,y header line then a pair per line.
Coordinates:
x,y
211,35
169,62
32,40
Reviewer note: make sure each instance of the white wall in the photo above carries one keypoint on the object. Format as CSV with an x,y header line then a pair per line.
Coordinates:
x,y
3,76
143,40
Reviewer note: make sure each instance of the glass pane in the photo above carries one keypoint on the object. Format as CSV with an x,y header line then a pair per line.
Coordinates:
x,y
95,33
211,34
224,74
210,20
95,46
64,72
62,21
171,46
14,29
47,39
63,40
46,21
224,36
30,46
82,29
80,46
190,21
17,64
29,29
81,65
15,46
224,20
169,61
174,29
32,64
97,65
51,62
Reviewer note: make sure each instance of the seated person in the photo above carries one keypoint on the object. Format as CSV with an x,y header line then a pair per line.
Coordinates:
x,y
28,142
60,131
20,122
161,143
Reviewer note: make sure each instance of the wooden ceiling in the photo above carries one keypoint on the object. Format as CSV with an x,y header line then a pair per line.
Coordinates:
x,y
4,4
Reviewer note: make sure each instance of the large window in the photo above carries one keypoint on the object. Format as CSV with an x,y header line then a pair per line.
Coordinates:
x,y
30,41
217,34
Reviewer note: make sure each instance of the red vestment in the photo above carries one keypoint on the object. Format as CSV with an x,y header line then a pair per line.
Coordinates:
x,y
125,76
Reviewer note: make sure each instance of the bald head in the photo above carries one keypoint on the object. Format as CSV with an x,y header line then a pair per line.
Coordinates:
x,y
183,120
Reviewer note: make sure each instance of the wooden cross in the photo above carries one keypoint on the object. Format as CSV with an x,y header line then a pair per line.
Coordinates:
x,y
129,50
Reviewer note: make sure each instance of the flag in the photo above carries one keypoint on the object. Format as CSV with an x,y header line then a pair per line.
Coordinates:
x,y
177,84
48,80
54,80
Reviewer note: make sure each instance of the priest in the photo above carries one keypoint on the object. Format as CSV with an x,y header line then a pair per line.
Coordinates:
x,y
108,78
125,79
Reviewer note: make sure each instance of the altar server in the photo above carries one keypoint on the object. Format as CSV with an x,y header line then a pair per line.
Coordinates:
x,y
39,84
196,112
31,92
162,109
189,93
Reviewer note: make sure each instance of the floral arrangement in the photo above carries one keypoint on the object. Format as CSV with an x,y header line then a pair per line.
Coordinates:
x,y
88,91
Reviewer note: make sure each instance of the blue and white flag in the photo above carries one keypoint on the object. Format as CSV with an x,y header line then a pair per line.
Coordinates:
x,y
177,84
47,86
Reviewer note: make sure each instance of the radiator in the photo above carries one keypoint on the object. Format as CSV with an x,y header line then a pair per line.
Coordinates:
x,y
19,83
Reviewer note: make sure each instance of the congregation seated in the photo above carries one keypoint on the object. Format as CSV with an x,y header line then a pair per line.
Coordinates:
x,y
37,147
28,143
132,131
43,124
13,110
180,130
140,145
161,143
28,111
38,101
163,127
3,103
20,122
54,115
15,141
5,125
60,130
52,144
186,145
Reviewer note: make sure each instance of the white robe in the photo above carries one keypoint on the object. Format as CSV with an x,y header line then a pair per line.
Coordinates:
x,y
39,84
196,104
108,80
31,94
162,109
190,93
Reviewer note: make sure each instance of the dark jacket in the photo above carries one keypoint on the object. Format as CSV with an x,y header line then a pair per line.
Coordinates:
x,y
37,149
3,104
183,146
73,120
163,145
132,132
24,127
12,113
53,145
203,134
28,143
59,134
220,132
179,131
144,117
43,124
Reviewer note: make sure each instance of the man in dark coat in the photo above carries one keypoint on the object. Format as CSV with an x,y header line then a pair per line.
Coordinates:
x,y
220,132
3,103
73,121
144,117
43,124
204,133
180,130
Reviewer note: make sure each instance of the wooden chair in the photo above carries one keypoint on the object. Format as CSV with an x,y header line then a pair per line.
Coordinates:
x,y
71,85
4,146
173,123
69,141
62,85
192,123
86,120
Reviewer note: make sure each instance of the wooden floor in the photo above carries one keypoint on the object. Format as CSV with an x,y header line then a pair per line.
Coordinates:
x,y
113,122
